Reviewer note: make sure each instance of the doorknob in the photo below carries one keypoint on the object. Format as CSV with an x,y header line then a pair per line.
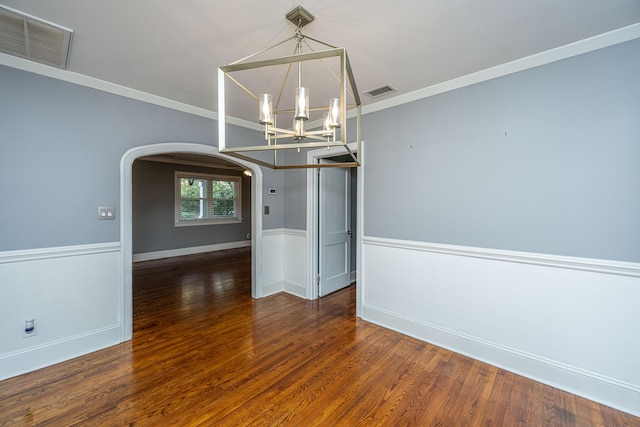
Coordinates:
x,y
349,232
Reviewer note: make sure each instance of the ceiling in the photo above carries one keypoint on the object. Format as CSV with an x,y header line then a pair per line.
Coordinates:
x,y
172,48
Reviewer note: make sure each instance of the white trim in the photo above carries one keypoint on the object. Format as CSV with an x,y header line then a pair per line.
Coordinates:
x,y
574,263
170,253
360,279
126,215
312,208
294,289
115,89
590,44
272,289
101,85
57,252
273,232
381,313
284,231
33,358
205,222
294,232
177,161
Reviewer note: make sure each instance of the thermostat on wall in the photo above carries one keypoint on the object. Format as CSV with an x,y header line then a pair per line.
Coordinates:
x,y
272,191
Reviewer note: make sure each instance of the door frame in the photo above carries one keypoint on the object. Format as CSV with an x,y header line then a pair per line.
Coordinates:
x,y
324,238
126,219
312,219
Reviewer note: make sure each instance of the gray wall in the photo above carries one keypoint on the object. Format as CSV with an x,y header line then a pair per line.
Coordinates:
x,y
295,191
295,199
60,151
154,210
546,161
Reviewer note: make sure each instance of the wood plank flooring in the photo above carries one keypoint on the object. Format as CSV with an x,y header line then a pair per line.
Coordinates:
x,y
204,353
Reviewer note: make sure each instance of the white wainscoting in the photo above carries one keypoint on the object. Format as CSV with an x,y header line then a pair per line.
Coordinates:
x,y
295,262
272,256
568,322
74,295
148,256
284,262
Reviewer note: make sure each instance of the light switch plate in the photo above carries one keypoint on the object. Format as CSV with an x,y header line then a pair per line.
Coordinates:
x,y
106,212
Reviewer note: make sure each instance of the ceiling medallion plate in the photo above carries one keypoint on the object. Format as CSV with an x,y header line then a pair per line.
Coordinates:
x,y
300,15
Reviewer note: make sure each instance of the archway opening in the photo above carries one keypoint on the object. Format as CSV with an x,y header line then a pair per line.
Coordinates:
x,y
126,218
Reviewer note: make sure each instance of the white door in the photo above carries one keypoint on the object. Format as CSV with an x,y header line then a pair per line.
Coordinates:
x,y
334,234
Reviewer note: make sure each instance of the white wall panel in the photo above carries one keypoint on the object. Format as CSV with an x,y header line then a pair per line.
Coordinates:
x,y
284,265
272,269
74,295
295,262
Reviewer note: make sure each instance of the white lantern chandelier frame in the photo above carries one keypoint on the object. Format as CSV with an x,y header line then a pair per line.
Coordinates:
x,y
276,139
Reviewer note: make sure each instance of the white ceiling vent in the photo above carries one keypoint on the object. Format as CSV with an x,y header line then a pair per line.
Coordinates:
x,y
28,37
379,91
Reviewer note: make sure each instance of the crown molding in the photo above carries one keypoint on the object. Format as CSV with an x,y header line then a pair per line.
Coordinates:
x,y
590,44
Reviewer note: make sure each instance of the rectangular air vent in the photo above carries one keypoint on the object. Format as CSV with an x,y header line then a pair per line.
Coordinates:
x,y
28,37
379,91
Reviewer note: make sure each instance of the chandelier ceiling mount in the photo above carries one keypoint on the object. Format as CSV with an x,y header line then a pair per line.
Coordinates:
x,y
300,17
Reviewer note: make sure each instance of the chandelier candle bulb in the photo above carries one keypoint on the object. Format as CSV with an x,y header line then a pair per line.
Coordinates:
x,y
334,113
302,103
298,129
327,129
266,109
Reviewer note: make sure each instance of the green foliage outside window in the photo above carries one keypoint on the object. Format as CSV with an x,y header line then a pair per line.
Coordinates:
x,y
208,198
191,197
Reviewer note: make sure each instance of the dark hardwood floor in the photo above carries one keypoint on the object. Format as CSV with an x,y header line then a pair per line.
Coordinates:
x,y
205,353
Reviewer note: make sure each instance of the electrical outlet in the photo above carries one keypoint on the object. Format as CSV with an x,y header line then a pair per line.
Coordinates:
x,y
29,328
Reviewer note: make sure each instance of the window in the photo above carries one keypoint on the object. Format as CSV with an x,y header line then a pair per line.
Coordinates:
x,y
207,199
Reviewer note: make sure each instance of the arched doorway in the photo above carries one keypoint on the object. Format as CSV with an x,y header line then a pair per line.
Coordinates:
x,y
126,215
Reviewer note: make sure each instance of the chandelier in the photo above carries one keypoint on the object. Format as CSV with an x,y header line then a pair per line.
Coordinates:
x,y
300,113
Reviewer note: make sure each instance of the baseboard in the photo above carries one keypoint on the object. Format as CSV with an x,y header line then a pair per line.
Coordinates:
x,y
295,289
272,289
608,391
33,358
149,256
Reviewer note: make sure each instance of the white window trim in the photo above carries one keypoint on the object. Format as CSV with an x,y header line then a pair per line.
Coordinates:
x,y
206,221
